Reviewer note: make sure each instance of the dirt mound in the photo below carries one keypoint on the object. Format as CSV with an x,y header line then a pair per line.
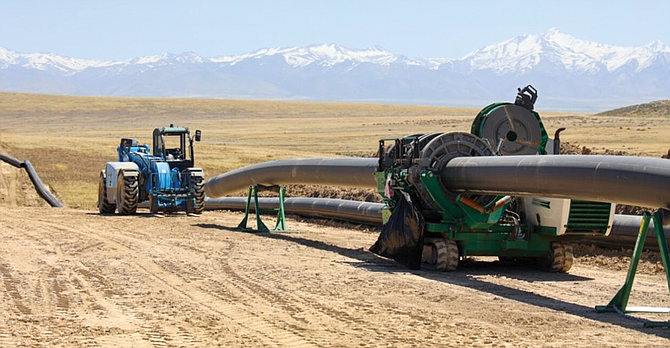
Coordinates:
x,y
16,190
617,259
319,191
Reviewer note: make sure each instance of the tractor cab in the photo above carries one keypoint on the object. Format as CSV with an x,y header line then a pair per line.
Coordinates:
x,y
170,145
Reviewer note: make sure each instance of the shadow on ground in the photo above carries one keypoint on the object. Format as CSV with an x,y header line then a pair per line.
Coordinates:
x,y
469,276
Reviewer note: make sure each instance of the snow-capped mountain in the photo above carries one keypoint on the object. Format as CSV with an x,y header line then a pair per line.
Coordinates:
x,y
571,74
330,55
522,53
46,61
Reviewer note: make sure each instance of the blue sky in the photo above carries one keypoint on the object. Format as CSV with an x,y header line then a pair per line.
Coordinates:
x,y
114,30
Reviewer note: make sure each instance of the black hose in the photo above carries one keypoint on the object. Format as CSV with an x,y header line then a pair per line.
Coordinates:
x,y
39,186
11,160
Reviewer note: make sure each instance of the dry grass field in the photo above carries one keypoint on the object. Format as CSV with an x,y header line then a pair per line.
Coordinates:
x,y
69,139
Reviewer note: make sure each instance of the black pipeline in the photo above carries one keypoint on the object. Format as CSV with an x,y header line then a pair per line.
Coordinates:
x,y
640,181
37,182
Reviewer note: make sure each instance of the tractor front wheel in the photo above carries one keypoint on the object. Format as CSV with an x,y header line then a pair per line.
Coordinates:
x,y
127,194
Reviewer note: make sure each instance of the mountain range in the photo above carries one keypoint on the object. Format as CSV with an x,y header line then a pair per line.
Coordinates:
x,y
570,74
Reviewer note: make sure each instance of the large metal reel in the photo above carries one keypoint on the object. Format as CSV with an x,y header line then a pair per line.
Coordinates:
x,y
439,151
520,130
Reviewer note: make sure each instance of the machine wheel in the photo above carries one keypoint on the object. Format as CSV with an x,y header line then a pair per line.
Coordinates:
x,y
446,252
127,194
560,260
199,186
103,206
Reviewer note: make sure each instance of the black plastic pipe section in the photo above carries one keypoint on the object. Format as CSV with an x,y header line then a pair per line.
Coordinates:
x,y
624,227
11,160
629,180
344,172
39,186
37,182
339,209
620,179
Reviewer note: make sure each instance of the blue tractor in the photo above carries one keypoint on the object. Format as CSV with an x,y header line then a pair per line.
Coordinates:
x,y
165,177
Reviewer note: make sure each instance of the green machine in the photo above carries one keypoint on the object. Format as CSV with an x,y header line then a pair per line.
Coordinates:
x,y
528,229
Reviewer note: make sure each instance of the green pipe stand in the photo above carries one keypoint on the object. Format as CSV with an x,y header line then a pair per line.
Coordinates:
x,y
280,226
619,303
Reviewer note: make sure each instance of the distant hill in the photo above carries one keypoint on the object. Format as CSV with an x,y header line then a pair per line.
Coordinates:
x,y
655,108
570,74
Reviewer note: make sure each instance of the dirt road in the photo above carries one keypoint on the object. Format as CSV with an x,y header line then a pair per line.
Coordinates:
x,y
74,278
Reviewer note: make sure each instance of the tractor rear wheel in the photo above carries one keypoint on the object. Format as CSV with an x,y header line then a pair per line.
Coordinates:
x,y
560,259
127,194
103,206
199,195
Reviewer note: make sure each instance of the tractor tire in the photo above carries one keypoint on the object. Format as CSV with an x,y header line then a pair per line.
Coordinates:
x,y
199,186
560,259
127,194
447,254
104,207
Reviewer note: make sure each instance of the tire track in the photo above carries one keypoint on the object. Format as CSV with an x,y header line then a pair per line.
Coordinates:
x,y
265,287
56,289
10,284
62,301
330,290
358,325
259,293
295,306
6,339
272,333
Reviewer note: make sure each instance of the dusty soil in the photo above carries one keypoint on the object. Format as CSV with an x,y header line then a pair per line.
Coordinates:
x,y
74,278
